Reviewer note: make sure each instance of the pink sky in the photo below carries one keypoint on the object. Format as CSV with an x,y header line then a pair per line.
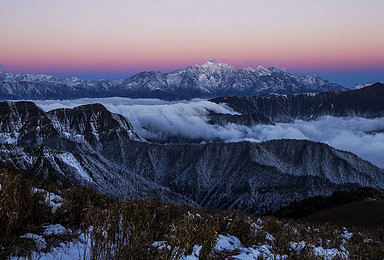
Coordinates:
x,y
105,38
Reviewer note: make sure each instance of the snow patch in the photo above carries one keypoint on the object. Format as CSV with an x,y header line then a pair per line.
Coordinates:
x,y
56,229
79,248
53,200
229,243
70,160
232,243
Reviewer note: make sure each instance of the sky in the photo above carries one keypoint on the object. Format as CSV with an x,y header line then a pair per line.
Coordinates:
x,y
342,41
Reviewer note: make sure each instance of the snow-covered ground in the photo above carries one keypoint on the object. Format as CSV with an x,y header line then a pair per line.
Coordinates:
x,y
80,248
56,241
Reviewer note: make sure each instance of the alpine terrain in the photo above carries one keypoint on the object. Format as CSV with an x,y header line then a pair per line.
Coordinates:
x,y
366,102
206,81
88,145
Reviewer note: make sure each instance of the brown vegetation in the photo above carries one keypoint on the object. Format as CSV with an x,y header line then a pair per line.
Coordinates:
x,y
128,229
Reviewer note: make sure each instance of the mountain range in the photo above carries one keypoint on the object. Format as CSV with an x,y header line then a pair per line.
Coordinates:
x,y
365,102
91,146
206,81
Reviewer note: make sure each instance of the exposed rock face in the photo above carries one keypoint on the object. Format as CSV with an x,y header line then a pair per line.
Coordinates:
x,y
367,102
25,124
247,120
91,146
206,81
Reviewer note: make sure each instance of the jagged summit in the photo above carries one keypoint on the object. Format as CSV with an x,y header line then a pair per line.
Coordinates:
x,y
92,119
36,78
25,122
215,65
208,80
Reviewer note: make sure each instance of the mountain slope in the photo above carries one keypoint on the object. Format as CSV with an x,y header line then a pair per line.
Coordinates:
x,y
362,207
206,81
93,147
367,102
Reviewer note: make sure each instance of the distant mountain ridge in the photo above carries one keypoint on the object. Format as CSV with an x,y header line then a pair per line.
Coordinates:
x,y
91,146
206,81
366,102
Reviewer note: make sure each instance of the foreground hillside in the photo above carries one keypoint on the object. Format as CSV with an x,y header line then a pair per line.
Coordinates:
x,y
42,220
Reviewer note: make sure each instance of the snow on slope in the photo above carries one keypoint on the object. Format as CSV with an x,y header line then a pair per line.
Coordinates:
x,y
208,80
71,161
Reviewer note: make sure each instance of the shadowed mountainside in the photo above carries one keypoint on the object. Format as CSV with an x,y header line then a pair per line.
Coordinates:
x,y
94,147
367,102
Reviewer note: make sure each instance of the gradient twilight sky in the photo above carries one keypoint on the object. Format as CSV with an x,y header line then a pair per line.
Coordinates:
x,y
342,40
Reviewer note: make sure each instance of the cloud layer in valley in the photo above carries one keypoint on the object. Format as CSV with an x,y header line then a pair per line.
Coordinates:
x,y
162,121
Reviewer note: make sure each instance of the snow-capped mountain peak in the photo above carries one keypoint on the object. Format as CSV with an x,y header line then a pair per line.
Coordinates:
x,y
261,71
208,80
208,64
215,66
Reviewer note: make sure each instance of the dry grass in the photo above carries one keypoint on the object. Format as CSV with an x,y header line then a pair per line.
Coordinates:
x,y
21,211
128,229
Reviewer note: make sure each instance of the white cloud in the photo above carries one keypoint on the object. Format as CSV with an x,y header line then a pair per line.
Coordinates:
x,y
159,120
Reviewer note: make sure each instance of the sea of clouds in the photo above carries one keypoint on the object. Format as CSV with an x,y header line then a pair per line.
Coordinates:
x,y
159,120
